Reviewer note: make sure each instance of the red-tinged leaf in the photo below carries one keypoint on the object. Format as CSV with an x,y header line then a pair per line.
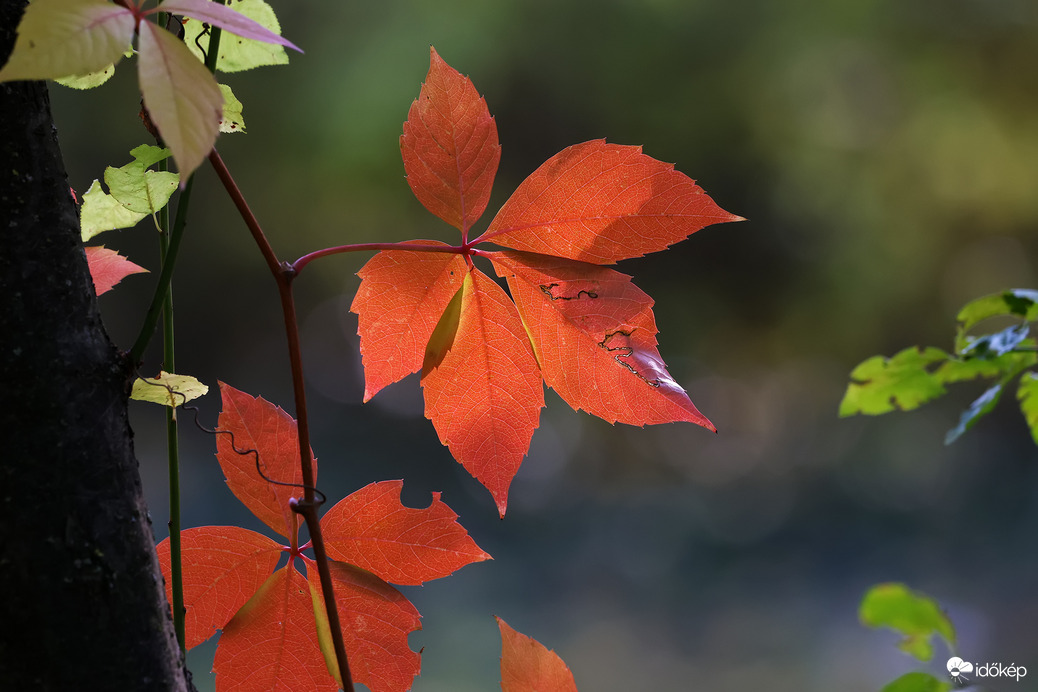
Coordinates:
x,y
595,335
108,267
224,17
375,619
528,666
401,297
272,643
223,567
485,395
599,203
260,425
373,530
182,98
450,146
61,38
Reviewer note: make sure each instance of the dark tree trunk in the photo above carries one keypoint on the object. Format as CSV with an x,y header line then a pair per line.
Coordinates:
x,y
81,600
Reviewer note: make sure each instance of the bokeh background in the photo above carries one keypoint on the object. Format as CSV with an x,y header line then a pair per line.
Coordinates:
x,y
885,153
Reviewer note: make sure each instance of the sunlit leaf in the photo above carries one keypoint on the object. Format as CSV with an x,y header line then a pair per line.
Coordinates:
x,y
168,389
237,53
903,381
917,682
402,545
914,615
139,189
1017,302
88,80
232,119
101,212
1027,393
182,98
63,38
529,666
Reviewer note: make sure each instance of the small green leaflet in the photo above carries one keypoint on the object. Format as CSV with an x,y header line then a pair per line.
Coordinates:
x,y
983,405
231,120
236,53
915,615
901,382
168,389
135,193
1016,302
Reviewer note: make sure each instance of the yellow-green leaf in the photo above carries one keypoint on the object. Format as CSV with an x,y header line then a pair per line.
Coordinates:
x,y
183,99
88,80
237,53
102,212
914,615
168,389
62,38
139,189
232,120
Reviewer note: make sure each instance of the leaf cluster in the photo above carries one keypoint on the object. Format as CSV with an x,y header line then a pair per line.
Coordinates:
x,y
1000,353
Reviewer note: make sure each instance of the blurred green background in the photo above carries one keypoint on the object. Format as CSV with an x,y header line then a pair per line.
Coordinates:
x,y
885,153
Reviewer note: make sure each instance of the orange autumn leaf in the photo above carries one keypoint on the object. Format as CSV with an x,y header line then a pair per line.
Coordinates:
x,y
527,666
484,355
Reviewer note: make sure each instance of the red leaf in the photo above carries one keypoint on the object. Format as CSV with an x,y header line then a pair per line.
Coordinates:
x,y
595,335
108,267
223,568
376,619
259,425
599,203
527,666
401,297
373,530
272,644
450,146
485,396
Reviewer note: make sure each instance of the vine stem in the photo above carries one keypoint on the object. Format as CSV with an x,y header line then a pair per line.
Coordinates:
x,y
283,274
298,265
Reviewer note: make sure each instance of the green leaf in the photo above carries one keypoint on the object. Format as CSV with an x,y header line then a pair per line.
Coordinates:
x,y
1016,302
61,38
102,212
183,99
232,120
237,53
917,682
138,189
982,406
1027,393
88,80
880,385
168,389
915,615
956,370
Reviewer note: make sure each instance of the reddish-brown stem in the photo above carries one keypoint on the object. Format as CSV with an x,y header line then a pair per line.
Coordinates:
x,y
362,247
283,275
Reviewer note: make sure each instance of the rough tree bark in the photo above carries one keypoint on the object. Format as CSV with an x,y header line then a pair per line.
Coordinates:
x,y
82,604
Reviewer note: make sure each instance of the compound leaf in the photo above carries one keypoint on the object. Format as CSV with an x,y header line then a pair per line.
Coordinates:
x,y
595,338
450,146
903,381
485,396
373,530
223,567
600,203
529,666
